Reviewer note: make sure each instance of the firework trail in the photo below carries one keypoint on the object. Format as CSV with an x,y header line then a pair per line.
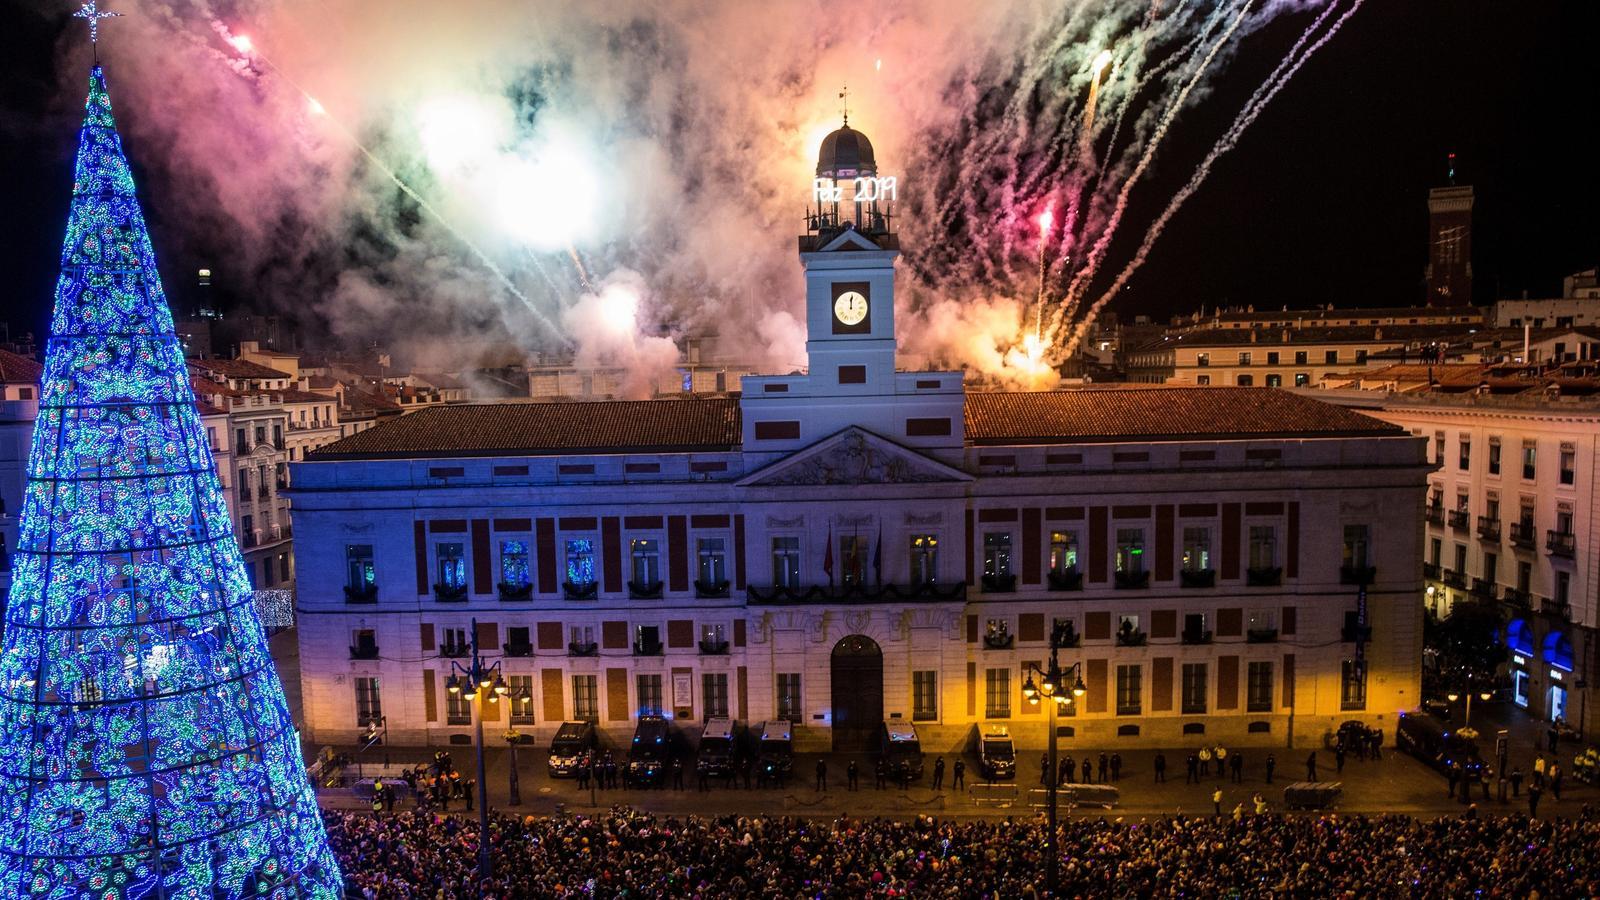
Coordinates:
x,y
1097,252
1247,115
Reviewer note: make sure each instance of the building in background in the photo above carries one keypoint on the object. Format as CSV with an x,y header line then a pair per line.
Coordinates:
x,y
1449,271
1511,514
1578,305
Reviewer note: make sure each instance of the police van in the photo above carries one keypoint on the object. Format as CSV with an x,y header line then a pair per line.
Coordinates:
x,y
900,751
715,756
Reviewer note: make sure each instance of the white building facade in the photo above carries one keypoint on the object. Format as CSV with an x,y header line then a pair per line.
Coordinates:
x,y
857,545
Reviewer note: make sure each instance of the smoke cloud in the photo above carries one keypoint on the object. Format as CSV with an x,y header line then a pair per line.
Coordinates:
x,y
597,180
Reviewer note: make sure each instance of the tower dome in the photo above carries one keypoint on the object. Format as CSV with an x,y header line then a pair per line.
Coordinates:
x,y
846,153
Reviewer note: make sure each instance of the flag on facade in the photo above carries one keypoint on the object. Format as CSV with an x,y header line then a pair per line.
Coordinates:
x,y
827,557
877,558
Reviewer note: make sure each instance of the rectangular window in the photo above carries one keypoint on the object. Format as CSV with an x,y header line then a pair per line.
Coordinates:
x,y
240,445
514,563
452,562
713,634
1563,588
713,556
585,698
997,553
1330,357
1274,381
789,696
786,562
1530,460
1244,357
646,554
714,694
360,573
1130,550
1130,691
520,698
1435,550
1464,460
1063,552
1438,447
580,562
1461,558
1494,456
457,708
1202,359
369,704
997,693
853,559
649,687
1272,357
1301,379
1568,461
1258,691
1194,689
1356,546
1491,562
1353,685
1196,549
1202,380
1263,547
1300,357
924,695
1524,576
582,635
924,558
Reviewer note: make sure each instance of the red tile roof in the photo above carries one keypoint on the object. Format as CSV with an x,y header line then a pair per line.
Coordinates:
x,y
235,368
1148,413
18,369
606,426
1158,413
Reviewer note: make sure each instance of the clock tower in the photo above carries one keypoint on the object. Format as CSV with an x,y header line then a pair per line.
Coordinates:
x,y
848,253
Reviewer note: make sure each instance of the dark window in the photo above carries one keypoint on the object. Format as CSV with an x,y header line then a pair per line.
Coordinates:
x,y
510,470
852,374
446,472
777,431
927,427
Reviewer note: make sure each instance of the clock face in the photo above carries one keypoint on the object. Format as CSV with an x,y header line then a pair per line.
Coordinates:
x,y
850,307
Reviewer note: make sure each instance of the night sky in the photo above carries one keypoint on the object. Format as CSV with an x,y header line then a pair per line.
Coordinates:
x,y
1324,201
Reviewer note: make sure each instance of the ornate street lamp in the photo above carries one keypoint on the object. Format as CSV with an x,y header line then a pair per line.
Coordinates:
x,y
470,682
1050,687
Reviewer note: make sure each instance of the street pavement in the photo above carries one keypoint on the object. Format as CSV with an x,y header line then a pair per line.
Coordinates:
x,y
1395,784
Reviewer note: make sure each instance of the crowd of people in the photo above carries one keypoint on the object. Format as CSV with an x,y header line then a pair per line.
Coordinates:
x,y
625,853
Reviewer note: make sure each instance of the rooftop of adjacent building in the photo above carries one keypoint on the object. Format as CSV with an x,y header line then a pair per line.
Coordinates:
x,y
1088,415
18,369
1565,385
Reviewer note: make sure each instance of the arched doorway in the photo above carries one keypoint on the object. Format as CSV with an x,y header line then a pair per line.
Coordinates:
x,y
857,675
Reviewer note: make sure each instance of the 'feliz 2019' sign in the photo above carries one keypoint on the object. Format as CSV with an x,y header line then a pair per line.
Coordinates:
x,y
867,189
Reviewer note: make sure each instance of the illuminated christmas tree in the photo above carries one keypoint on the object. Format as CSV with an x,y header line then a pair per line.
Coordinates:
x,y
146,750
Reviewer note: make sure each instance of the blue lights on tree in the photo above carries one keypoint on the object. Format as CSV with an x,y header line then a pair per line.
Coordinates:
x,y
146,750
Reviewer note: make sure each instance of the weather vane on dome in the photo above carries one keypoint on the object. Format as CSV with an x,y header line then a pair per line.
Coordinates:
x,y
844,94
91,11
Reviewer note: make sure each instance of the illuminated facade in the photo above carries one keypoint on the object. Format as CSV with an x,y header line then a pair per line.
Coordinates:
x,y
146,749
858,544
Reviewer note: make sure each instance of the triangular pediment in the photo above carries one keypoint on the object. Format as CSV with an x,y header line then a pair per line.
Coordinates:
x,y
854,456
849,239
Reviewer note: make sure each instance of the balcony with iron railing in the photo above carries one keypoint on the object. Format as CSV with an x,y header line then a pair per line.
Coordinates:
x,y
711,590
1560,543
645,590
1551,606
1131,638
452,650
1197,578
1261,635
1523,535
648,648
999,584
1433,514
1459,520
1267,576
363,651
449,593
1455,579
514,593
1516,598
1132,580
583,648
1360,575
523,649
366,593
1484,589
1069,579
1431,570
1489,529
714,648
1196,636
585,590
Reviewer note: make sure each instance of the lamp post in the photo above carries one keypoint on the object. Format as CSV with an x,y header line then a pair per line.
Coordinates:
x,y
514,737
1466,729
470,682
1052,686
